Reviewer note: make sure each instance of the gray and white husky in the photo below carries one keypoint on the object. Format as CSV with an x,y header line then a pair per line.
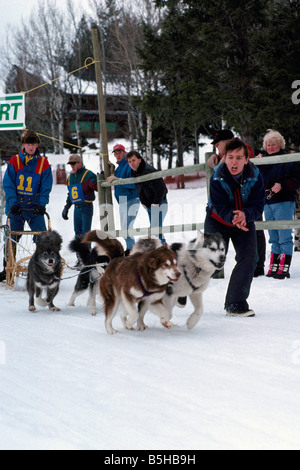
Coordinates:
x,y
44,271
197,260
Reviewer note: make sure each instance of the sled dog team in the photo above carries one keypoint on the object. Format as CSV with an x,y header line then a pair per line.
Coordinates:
x,y
153,277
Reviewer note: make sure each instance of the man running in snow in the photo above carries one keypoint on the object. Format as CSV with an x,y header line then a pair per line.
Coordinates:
x,y
236,201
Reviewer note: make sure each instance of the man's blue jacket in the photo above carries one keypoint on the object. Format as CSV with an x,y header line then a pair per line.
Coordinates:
x,y
128,190
27,181
228,194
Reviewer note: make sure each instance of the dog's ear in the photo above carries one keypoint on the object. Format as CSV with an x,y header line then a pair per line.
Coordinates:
x,y
153,262
166,245
198,242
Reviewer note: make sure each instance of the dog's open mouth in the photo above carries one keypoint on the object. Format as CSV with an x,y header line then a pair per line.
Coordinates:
x,y
49,263
173,280
217,265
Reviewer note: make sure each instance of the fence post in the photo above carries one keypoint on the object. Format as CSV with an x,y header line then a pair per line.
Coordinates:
x,y
209,172
105,210
103,130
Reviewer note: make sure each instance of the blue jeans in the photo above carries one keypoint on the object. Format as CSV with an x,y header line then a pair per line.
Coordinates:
x,y
128,209
83,217
35,222
281,240
157,215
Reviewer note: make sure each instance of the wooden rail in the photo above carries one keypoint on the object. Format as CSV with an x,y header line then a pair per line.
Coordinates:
x,y
271,225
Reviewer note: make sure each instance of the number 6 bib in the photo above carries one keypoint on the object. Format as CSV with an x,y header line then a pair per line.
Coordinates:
x,y
76,193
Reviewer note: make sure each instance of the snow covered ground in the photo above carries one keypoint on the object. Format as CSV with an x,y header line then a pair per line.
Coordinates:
x,y
228,384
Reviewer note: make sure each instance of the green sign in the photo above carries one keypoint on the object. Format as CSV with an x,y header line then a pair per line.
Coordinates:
x,y
12,112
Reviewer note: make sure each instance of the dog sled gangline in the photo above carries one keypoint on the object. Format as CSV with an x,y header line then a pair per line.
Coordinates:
x,y
17,267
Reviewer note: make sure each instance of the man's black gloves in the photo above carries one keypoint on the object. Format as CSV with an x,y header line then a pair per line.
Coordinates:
x,y
16,209
39,210
65,213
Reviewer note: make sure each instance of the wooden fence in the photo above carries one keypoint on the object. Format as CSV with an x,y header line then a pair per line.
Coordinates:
x,y
106,211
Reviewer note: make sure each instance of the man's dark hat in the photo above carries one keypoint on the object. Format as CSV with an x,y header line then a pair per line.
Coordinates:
x,y
223,134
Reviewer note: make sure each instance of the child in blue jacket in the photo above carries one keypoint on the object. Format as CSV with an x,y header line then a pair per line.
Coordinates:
x,y
236,201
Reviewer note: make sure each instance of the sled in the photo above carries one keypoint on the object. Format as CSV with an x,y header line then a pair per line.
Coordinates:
x,y
18,254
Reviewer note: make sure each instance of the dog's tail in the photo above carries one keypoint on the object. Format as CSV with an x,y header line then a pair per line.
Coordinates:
x,y
81,249
106,244
146,245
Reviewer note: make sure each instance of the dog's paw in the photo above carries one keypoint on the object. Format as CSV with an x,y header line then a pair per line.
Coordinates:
x,y
32,308
54,309
167,324
112,331
192,321
130,328
41,302
142,327
93,312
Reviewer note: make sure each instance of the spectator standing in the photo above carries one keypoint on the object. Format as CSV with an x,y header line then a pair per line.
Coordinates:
x,y
126,195
220,139
281,183
152,194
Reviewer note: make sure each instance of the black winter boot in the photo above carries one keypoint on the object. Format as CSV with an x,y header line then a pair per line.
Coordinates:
x,y
274,265
283,271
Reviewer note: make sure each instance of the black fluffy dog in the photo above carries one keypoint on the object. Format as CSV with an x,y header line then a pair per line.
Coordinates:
x,y
44,271
94,266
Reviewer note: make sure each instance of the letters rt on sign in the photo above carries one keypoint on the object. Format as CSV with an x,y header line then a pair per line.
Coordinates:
x,y
12,112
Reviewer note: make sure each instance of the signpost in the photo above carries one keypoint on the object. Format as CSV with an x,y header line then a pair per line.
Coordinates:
x,y
12,112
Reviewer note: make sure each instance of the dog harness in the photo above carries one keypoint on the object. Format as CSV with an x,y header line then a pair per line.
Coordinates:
x,y
198,270
146,293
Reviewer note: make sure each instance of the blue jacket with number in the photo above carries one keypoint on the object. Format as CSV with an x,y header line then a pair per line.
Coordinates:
x,y
27,181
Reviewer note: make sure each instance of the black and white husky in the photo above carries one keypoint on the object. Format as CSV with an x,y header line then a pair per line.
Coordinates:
x,y
197,260
93,267
94,261
44,271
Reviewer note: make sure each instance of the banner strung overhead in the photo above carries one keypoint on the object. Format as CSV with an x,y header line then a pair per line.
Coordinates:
x,y
12,112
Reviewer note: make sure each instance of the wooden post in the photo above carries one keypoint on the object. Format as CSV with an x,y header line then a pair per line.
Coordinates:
x,y
105,222
209,173
103,130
